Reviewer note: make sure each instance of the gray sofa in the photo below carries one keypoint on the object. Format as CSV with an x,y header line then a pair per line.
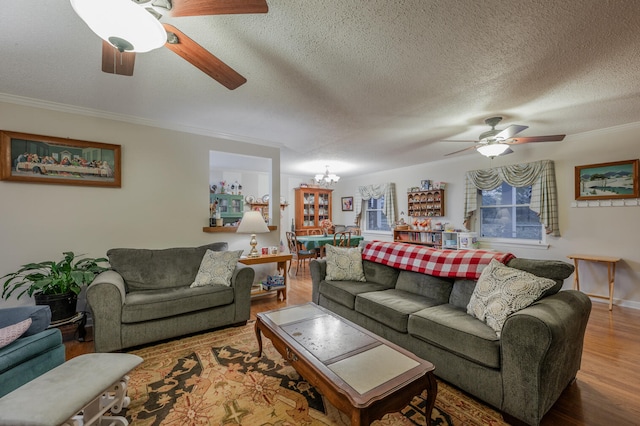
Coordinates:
x,y
522,373
34,353
146,297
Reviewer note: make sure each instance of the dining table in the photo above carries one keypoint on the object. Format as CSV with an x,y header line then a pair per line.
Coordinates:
x,y
312,242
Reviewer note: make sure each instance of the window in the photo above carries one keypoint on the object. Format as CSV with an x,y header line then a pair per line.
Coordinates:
x,y
505,213
375,219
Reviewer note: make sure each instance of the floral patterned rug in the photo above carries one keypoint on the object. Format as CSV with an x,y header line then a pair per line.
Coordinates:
x,y
215,378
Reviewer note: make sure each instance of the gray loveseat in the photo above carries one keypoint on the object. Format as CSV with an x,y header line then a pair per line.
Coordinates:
x,y
522,373
146,297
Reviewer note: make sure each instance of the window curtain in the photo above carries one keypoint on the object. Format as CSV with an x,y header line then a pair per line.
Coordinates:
x,y
540,175
365,193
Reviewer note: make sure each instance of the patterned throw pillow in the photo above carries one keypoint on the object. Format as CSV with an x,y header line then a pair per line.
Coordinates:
x,y
344,264
12,332
217,268
501,291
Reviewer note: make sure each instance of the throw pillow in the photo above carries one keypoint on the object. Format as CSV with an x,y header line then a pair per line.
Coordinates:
x,y
501,291
217,268
12,332
344,264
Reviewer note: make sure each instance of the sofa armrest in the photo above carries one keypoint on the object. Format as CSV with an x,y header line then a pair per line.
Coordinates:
x,y
318,268
541,352
105,296
241,281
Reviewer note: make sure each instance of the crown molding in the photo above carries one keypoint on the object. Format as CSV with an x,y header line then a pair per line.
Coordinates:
x,y
94,113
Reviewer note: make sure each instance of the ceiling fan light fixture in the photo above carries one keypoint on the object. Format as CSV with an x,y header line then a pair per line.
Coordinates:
x,y
493,149
124,24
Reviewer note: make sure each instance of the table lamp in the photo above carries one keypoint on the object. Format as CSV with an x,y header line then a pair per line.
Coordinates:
x,y
252,223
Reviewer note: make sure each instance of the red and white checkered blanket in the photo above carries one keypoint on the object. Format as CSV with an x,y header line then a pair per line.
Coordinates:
x,y
439,263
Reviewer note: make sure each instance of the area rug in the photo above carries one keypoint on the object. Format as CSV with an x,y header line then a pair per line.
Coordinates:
x,y
216,378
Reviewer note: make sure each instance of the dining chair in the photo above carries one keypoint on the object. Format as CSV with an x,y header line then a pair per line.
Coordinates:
x,y
298,251
355,230
342,239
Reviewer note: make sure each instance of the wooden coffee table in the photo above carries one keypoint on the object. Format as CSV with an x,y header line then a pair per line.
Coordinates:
x,y
361,374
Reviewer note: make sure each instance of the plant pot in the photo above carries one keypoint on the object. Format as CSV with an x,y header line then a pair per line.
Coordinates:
x,y
63,306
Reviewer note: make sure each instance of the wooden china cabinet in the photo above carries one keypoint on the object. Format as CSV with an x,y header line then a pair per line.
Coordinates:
x,y
312,206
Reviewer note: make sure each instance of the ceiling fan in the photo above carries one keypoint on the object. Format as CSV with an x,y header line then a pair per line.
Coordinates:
x,y
496,142
130,26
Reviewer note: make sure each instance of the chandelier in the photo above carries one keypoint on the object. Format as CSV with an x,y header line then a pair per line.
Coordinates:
x,y
327,178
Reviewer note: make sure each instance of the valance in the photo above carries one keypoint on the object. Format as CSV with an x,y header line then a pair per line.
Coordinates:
x,y
386,190
540,175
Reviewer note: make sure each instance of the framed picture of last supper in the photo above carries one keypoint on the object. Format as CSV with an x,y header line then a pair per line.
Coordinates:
x,y
46,159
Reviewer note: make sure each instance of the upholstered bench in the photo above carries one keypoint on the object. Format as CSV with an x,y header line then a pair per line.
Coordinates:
x,y
77,392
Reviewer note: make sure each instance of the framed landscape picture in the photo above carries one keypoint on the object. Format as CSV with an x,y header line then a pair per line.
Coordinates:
x,y
606,181
46,159
347,204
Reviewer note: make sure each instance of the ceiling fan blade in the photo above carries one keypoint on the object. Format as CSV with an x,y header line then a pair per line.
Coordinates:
x,y
217,7
510,131
202,59
462,150
521,140
507,151
459,140
116,62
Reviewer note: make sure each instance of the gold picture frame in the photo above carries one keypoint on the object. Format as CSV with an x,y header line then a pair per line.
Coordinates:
x,y
45,159
606,181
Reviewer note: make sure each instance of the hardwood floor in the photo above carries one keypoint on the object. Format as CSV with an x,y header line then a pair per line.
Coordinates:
x,y
607,388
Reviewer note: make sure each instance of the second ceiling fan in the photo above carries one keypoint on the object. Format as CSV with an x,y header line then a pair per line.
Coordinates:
x,y
496,142
114,23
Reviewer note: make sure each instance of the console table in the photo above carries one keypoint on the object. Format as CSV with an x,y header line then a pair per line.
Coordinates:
x,y
281,260
611,272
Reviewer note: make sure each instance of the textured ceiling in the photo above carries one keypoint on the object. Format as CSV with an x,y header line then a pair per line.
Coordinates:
x,y
359,85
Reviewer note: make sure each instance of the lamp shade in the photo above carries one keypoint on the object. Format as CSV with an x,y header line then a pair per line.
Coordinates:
x,y
122,23
492,150
252,223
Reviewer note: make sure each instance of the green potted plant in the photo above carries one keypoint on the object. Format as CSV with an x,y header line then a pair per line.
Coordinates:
x,y
56,284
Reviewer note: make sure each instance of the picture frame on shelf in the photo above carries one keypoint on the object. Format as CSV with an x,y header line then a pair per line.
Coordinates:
x,y
347,204
605,181
45,159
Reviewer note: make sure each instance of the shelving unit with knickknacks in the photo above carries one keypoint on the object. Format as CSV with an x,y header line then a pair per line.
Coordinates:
x,y
428,203
435,239
313,205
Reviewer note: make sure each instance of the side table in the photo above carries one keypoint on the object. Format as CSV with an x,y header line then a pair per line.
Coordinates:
x,y
79,319
611,272
281,261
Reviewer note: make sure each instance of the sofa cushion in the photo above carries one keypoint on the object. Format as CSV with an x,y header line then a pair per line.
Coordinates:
x,y
29,347
380,274
146,269
501,291
425,285
345,292
450,327
461,292
11,332
153,304
217,267
556,270
392,307
40,317
344,264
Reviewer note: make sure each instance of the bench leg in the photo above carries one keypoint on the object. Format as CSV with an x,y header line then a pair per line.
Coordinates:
x,y
113,399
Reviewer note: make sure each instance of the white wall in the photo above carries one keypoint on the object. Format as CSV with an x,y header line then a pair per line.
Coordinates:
x,y
609,231
163,201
